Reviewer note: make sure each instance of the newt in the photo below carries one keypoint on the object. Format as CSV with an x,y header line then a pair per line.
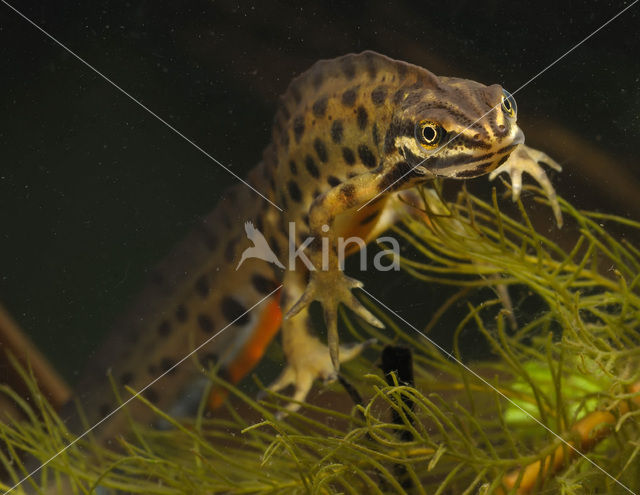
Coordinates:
x,y
350,136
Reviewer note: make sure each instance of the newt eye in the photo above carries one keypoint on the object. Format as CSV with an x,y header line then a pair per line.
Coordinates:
x,y
509,104
429,134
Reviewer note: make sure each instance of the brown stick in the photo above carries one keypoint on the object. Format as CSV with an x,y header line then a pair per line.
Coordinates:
x,y
13,340
588,431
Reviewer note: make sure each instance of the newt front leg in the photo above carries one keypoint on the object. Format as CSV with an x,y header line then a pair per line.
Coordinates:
x,y
327,283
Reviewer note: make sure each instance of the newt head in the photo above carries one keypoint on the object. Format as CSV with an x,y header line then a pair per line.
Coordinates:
x,y
454,128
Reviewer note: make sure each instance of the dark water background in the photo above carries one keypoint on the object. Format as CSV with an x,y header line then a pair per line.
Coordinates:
x,y
94,191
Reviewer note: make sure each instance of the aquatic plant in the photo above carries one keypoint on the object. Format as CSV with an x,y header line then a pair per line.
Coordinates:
x,y
560,379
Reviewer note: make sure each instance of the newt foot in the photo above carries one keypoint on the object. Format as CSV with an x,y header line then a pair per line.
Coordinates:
x,y
525,159
307,362
331,288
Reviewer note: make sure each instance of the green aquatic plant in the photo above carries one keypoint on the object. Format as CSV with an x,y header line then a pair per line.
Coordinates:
x,y
568,370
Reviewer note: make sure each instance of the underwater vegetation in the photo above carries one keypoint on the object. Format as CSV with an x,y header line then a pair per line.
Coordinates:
x,y
553,408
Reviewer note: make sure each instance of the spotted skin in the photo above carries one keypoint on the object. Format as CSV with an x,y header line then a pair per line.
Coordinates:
x,y
348,132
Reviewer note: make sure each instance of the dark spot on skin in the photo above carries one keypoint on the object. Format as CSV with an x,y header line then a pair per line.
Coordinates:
x,y
316,244
167,364
412,158
275,247
372,70
126,378
202,286
305,219
349,97
320,107
348,156
285,298
394,179
311,167
387,183
294,191
105,409
164,328
397,128
378,95
232,309
506,149
293,168
374,134
333,181
285,112
369,218
503,159
321,150
362,118
435,162
367,158
151,395
298,128
389,142
474,172
206,324
262,284
398,96
347,194
209,238
405,127
229,250
302,235
348,69
336,131
181,313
